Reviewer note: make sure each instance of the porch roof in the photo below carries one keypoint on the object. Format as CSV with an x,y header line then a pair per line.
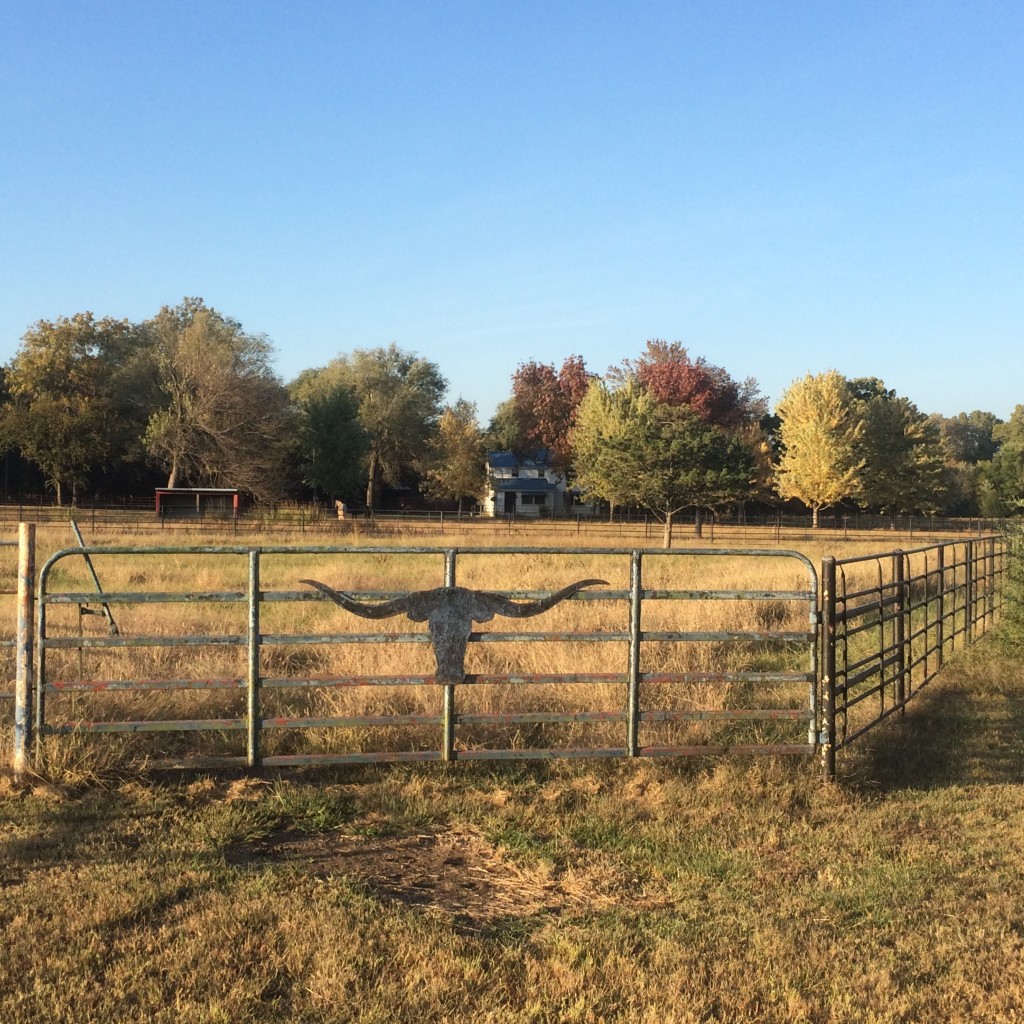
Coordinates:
x,y
525,485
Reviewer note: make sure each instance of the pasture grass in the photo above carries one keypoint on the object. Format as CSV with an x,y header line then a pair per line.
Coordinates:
x,y
640,891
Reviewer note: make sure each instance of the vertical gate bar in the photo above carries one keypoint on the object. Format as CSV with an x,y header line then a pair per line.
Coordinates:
x,y
40,675
882,645
969,597
814,726
990,583
926,625
828,665
940,567
633,696
899,628
23,667
448,693
253,756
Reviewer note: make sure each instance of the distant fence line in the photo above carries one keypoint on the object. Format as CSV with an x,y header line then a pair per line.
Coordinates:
x,y
139,516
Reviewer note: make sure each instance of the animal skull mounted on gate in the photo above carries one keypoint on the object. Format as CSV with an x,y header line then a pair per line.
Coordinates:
x,y
450,613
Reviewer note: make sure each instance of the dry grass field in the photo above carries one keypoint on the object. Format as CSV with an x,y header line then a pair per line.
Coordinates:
x,y
678,890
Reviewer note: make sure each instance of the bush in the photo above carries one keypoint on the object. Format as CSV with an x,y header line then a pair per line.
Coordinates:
x,y
1012,626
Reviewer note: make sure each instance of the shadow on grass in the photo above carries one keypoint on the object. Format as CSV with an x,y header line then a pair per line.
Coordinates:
x,y
965,728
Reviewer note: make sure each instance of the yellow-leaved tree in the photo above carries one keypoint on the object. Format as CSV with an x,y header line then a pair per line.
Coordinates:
x,y
819,432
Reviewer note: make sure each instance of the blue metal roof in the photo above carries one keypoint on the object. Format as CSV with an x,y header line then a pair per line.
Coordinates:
x,y
510,460
525,485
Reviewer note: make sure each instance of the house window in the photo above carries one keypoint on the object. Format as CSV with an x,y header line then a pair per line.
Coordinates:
x,y
514,472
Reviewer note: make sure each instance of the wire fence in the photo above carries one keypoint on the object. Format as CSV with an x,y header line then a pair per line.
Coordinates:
x,y
139,516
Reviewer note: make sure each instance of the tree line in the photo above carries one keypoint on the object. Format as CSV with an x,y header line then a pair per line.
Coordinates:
x,y
190,398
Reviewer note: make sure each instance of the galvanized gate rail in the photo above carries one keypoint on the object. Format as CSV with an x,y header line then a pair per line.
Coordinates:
x,y
633,681
887,627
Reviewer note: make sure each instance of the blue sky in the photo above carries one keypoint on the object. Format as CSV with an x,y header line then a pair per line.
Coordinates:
x,y
785,187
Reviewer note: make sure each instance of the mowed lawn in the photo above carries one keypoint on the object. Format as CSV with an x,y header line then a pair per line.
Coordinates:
x,y
562,891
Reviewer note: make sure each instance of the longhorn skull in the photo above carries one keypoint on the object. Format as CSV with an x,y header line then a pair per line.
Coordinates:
x,y
450,613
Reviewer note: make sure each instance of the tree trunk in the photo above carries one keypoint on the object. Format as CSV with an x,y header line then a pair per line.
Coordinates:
x,y
814,517
667,541
698,523
172,477
371,483
60,493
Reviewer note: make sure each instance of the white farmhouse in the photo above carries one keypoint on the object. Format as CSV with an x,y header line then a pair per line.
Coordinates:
x,y
524,485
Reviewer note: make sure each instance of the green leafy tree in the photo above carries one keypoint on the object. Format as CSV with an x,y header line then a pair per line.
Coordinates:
x,y
1001,482
969,437
506,431
455,464
818,434
663,457
63,411
969,445
223,417
902,451
601,440
399,395
330,445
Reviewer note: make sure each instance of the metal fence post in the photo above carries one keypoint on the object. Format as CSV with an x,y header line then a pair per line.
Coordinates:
x,y
23,668
941,569
828,666
899,628
969,596
990,583
253,755
633,699
448,693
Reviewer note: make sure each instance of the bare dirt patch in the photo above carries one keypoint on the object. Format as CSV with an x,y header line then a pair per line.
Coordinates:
x,y
456,872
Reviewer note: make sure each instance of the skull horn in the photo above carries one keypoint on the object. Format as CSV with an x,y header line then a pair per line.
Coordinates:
x,y
383,610
513,609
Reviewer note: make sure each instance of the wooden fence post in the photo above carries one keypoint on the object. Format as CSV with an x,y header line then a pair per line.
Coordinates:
x,y
23,668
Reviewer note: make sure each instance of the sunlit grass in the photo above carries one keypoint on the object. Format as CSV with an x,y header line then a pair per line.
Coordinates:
x,y
743,890
739,890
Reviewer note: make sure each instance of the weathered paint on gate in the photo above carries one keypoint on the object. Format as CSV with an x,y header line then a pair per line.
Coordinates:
x,y
634,679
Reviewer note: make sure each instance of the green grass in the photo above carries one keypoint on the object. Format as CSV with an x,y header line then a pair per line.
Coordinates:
x,y
569,891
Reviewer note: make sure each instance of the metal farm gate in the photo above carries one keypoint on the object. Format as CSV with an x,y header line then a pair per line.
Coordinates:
x,y
890,620
308,655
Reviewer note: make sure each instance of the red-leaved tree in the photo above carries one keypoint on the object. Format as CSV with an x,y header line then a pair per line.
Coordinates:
x,y
668,374
545,402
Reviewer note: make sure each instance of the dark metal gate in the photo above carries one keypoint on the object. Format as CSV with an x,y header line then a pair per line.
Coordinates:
x,y
890,620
